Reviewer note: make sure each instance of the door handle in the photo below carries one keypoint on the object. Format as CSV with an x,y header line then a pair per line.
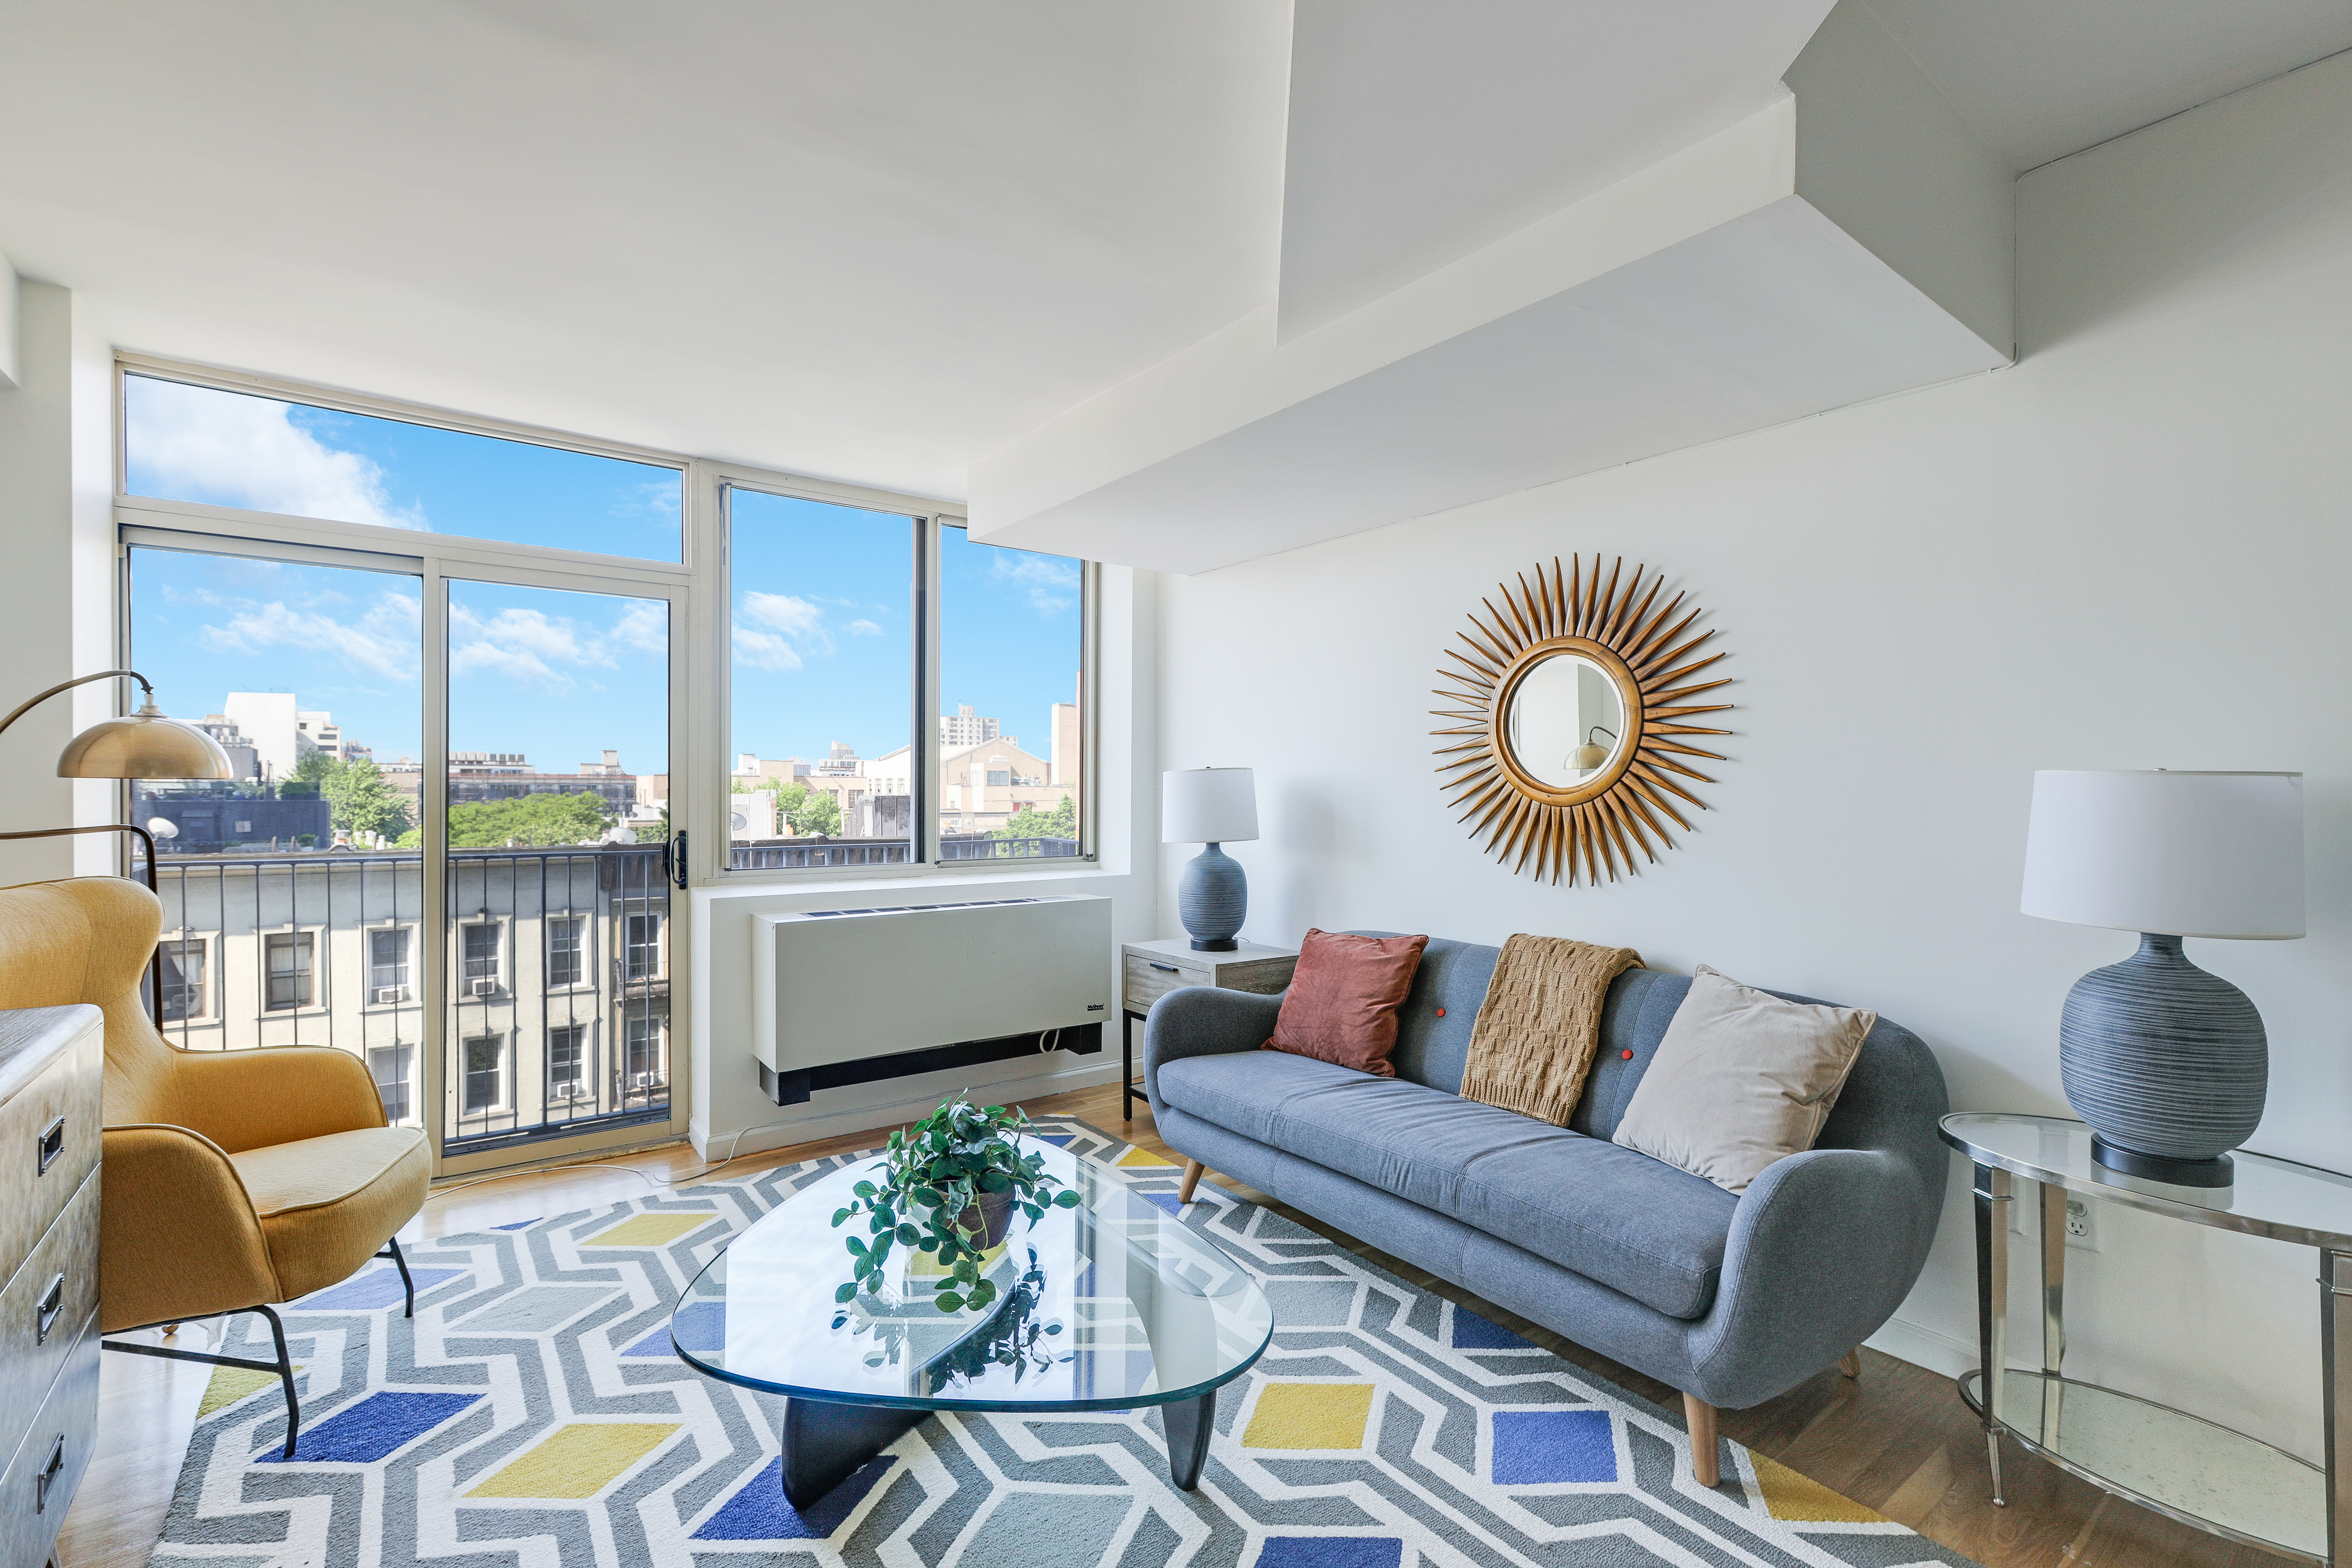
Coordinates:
x,y
53,1301
52,1144
674,858
49,1474
1170,968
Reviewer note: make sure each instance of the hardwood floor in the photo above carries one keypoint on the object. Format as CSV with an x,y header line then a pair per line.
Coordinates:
x,y
1897,1439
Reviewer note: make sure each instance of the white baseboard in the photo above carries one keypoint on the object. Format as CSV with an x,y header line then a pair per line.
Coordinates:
x,y
808,1123
1929,1348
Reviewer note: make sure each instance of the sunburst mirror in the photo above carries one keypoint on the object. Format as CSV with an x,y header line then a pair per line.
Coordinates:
x,y
1565,752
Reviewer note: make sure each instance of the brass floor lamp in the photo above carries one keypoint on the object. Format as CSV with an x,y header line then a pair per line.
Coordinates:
x,y
140,745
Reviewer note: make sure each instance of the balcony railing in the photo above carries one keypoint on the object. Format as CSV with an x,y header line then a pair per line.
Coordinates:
x,y
778,855
327,947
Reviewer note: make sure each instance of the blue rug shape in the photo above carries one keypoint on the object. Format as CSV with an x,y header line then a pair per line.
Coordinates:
x,y
1540,1447
1472,1332
1331,1551
370,1431
518,1224
377,1288
1060,1139
701,1328
758,1511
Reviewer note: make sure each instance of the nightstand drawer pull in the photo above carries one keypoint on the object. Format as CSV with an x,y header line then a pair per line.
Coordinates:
x,y
1168,968
49,1475
53,1301
53,1143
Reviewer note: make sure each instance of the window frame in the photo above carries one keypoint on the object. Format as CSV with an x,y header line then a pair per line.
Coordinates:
x,y
503,1040
583,1030
304,939
924,748
408,987
202,991
583,955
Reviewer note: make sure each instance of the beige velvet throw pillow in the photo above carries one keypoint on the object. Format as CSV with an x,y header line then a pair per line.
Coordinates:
x,y
1742,1079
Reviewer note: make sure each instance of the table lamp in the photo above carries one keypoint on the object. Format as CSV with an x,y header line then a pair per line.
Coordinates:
x,y
2166,1063
1212,807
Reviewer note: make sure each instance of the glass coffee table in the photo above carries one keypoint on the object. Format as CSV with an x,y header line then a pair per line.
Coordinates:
x,y
1108,1306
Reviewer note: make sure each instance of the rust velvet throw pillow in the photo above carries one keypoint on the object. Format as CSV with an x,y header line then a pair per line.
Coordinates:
x,y
1341,1006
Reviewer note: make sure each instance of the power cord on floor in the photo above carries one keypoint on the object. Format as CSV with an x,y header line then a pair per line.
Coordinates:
x,y
733,1142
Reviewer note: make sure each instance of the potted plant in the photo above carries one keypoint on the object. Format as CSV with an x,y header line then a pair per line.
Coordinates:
x,y
950,1184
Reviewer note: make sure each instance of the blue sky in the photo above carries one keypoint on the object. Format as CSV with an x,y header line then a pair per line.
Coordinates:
x,y
821,643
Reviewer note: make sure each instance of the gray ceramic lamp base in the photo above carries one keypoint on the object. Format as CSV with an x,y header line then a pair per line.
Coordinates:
x,y
2166,1063
1212,900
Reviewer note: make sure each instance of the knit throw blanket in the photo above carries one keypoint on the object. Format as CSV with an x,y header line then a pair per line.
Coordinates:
x,y
1536,1034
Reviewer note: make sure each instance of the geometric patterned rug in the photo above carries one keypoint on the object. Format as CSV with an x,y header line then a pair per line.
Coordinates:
x,y
534,1415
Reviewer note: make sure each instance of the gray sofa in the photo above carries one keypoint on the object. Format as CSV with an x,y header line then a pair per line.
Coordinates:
x,y
1730,1298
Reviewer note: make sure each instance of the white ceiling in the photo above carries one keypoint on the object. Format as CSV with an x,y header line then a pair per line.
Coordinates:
x,y
878,242
2037,79
868,242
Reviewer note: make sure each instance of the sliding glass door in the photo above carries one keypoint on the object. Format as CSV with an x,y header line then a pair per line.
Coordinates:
x,y
447,847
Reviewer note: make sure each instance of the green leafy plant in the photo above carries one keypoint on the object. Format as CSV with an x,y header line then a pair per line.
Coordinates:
x,y
937,1179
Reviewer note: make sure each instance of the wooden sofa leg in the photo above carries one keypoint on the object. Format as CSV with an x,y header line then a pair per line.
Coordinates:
x,y
1192,1169
1850,1364
1699,1415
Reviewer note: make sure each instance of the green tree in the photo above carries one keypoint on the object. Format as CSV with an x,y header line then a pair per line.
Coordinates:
x,y
1062,822
809,811
535,821
359,797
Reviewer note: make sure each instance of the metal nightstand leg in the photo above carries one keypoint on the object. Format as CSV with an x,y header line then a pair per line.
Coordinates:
x,y
1126,1064
2053,1307
2336,1396
1993,1307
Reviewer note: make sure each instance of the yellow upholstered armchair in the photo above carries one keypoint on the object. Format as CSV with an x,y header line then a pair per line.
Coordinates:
x,y
232,1180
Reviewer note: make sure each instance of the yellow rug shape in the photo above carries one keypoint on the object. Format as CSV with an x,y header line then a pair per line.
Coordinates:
x,y
1309,1415
1797,1499
577,1460
231,1384
650,1230
1143,1157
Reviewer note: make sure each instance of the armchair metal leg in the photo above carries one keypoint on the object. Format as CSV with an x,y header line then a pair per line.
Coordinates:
x,y
392,1250
283,1366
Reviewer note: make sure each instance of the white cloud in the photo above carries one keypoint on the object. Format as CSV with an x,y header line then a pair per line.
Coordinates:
x,y
783,612
764,650
383,639
225,448
644,628
1052,580
864,629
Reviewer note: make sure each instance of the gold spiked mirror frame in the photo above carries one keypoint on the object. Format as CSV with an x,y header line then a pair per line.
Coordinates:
x,y
1589,830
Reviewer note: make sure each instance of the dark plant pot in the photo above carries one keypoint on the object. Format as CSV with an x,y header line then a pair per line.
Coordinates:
x,y
993,1212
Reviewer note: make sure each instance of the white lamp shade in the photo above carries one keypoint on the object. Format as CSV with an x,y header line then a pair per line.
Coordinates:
x,y
2179,854
1208,806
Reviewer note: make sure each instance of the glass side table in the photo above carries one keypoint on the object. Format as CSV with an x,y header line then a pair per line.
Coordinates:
x,y
2179,1464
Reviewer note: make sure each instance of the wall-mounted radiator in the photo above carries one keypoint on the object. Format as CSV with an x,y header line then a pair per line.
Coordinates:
x,y
837,993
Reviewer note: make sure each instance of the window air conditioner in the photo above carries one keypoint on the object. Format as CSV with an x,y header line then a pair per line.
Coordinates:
x,y
486,987
385,993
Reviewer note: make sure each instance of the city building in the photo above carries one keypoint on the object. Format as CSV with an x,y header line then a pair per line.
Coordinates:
x,y
966,729
476,777
980,784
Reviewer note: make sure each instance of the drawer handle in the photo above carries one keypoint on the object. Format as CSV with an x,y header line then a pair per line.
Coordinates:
x,y
49,1475
53,1301
53,1143
1169,968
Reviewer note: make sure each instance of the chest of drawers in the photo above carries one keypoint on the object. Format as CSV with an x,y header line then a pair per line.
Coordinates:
x,y
52,1061
1150,970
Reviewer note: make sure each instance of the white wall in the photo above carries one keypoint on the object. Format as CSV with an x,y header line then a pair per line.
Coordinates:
x,y
731,1115
55,530
2130,551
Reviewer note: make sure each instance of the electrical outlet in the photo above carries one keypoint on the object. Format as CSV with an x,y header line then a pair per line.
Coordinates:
x,y
2081,1224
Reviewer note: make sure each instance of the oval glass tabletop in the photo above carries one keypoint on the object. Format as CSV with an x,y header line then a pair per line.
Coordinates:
x,y
1112,1304
2269,1197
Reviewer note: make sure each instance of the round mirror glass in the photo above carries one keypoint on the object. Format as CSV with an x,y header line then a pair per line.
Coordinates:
x,y
1566,721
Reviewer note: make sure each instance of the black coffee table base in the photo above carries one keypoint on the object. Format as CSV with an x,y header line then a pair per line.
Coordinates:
x,y
824,1443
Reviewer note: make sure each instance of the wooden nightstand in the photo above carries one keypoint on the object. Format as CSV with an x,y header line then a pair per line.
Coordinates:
x,y
1150,970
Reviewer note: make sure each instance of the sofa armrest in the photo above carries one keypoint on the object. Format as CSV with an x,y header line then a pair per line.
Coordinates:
x,y
1823,1249
1203,1021
178,1237
279,1094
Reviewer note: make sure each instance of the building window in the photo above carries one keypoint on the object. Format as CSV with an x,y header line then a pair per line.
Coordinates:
x,y
184,978
567,1054
645,1063
484,1058
564,966
478,971
389,1065
288,961
642,956
388,965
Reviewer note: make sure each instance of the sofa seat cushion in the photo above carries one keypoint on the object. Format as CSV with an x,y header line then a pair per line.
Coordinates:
x,y
1620,1218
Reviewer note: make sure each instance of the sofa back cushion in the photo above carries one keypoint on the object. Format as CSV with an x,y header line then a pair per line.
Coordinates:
x,y
1342,1004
